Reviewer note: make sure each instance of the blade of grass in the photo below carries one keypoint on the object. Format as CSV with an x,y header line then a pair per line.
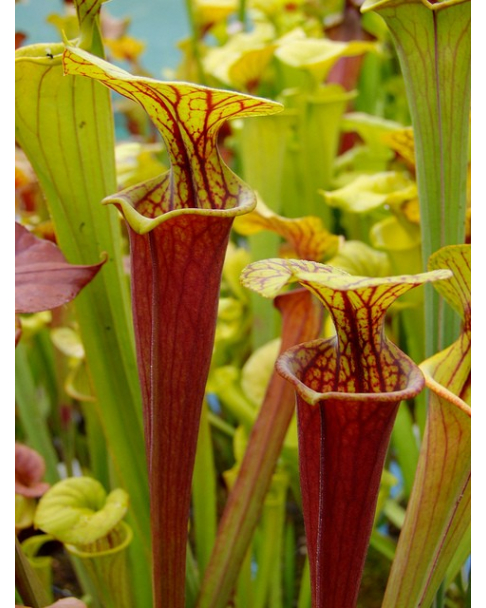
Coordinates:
x,y
31,418
204,493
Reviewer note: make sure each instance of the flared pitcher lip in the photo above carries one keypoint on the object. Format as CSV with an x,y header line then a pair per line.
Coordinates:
x,y
370,5
142,224
127,539
415,381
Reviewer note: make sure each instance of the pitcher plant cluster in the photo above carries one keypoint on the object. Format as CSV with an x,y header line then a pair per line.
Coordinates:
x,y
243,316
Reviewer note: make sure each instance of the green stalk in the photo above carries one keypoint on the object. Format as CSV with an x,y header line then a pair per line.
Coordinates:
x,y
192,578
262,147
318,129
242,13
194,30
383,544
42,356
245,584
463,551
433,42
290,548
72,152
268,585
221,425
98,460
405,443
204,493
224,382
305,587
32,420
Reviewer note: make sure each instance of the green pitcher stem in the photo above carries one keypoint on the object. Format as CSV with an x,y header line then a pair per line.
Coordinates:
x,y
403,247
263,145
194,40
268,582
204,492
433,43
318,129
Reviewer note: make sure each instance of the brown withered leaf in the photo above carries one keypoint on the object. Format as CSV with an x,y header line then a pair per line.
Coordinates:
x,y
43,277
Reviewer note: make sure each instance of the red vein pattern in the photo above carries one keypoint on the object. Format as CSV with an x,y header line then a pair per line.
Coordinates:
x,y
179,225
87,9
355,381
457,291
188,117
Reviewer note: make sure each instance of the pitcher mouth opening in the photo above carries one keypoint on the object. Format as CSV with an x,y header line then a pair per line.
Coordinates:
x,y
126,539
295,363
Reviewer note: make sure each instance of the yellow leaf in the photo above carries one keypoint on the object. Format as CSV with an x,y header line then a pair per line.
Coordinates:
x,y
258,369
125,48
241,62
306,236
318,56
210,12
368,192
402,142
78,511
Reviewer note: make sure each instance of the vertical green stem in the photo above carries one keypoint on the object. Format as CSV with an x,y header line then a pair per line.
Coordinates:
x,y
245,584
318,129
192,578
242,13
41,564
262,146
433,43
268,585
289,564
204,493
196,53
405,443
31,418
305,587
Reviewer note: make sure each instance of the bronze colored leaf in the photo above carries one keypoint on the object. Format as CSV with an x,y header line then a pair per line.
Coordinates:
x,y
43,277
